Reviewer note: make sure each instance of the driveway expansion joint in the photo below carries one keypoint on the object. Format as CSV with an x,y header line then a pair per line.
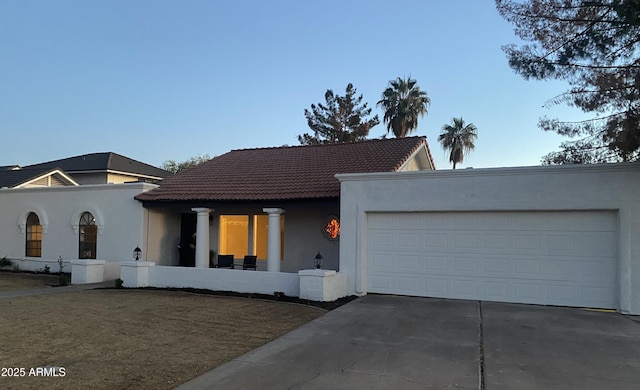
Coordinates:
x,y
480,348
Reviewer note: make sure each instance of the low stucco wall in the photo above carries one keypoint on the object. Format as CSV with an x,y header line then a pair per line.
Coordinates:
x,y
322,285
613,187
225,280
316,285
38,265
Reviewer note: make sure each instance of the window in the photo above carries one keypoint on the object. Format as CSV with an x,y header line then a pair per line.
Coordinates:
x,y
247,235
88,236
34,236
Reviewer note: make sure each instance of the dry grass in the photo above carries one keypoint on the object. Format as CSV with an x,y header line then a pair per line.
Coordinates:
x,y
22,281
134,339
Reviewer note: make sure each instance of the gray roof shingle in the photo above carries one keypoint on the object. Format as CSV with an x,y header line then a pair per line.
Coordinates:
x,y
102,162
11,178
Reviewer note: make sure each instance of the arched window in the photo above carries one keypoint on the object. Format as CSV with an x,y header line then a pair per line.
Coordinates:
x,y
34,236
88,236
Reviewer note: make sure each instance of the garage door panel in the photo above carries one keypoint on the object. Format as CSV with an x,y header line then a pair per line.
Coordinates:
x,y
436,264
383,221
465,265
409,285
465,241
435,287
410,263
527,292
409,241
465,288
595,244
496,290
435,241
559,258
595,272
496,267
495,242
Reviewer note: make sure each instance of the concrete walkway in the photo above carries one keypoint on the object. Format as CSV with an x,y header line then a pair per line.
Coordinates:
x,y
54,290
389,342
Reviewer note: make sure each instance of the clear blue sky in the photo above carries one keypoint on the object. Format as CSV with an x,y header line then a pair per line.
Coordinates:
x,y
160,80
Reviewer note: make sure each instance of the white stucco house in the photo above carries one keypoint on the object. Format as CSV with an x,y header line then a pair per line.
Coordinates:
x,y
377,211
80,207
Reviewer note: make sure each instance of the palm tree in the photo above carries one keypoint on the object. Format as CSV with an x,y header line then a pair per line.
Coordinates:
x,y
458,138
402,102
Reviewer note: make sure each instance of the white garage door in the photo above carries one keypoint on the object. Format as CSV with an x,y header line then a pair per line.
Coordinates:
x,y
551,258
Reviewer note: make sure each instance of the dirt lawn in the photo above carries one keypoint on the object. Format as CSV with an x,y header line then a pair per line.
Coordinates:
x,y
134,339
22,281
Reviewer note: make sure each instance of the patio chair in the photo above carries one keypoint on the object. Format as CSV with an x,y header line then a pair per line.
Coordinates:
x,y
226,261
249,262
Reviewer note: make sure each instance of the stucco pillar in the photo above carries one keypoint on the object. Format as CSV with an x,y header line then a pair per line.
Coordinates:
x,y
202,237
251,236
273,239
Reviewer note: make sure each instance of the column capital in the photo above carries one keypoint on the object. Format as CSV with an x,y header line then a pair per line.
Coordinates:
x,y
201,209
272,210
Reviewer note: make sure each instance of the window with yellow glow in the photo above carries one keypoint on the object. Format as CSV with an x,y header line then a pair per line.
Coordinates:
x,y
242,235
34,236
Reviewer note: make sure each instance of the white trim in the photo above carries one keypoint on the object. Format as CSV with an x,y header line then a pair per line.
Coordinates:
x,y
42,216
49,174
85,187
425,165
565,169
134,174
118,173
75,218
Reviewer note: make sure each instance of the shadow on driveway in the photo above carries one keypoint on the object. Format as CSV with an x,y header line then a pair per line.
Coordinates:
x,y
391,342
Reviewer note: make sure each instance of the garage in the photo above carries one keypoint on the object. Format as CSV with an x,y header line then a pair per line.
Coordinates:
x,y
566,258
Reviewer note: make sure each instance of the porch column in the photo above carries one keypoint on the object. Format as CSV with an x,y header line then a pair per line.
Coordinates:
x,y
202,237
273,239
251,235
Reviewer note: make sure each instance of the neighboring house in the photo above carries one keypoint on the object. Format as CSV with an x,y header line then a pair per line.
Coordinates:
x,y
104,168
16,177
281,204
48,210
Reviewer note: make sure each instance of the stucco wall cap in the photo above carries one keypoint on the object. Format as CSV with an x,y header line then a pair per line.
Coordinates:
x,y
316,272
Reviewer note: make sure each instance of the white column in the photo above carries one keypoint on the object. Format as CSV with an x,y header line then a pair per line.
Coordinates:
x,y
273,239
202,237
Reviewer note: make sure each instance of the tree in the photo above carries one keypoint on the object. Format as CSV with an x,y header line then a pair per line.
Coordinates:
x,y
403,101
595,47
458,138
340,119
175,167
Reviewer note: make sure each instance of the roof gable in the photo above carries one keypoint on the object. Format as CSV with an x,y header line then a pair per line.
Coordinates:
x,y
34,177
283,173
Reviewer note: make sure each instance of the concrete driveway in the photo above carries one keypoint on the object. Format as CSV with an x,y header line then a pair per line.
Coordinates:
x,y
391,342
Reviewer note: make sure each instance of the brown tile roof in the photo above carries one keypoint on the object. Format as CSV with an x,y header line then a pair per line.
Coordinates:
x,y
283,173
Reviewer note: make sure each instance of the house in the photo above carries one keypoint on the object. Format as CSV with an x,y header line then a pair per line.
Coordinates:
x,y
104,168
17,177
281,204
66,209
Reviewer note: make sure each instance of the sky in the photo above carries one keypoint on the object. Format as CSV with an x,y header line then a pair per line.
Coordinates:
x,y
159,80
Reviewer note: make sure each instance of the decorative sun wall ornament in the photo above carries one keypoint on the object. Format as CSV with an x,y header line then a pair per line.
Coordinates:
x,y
331,227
